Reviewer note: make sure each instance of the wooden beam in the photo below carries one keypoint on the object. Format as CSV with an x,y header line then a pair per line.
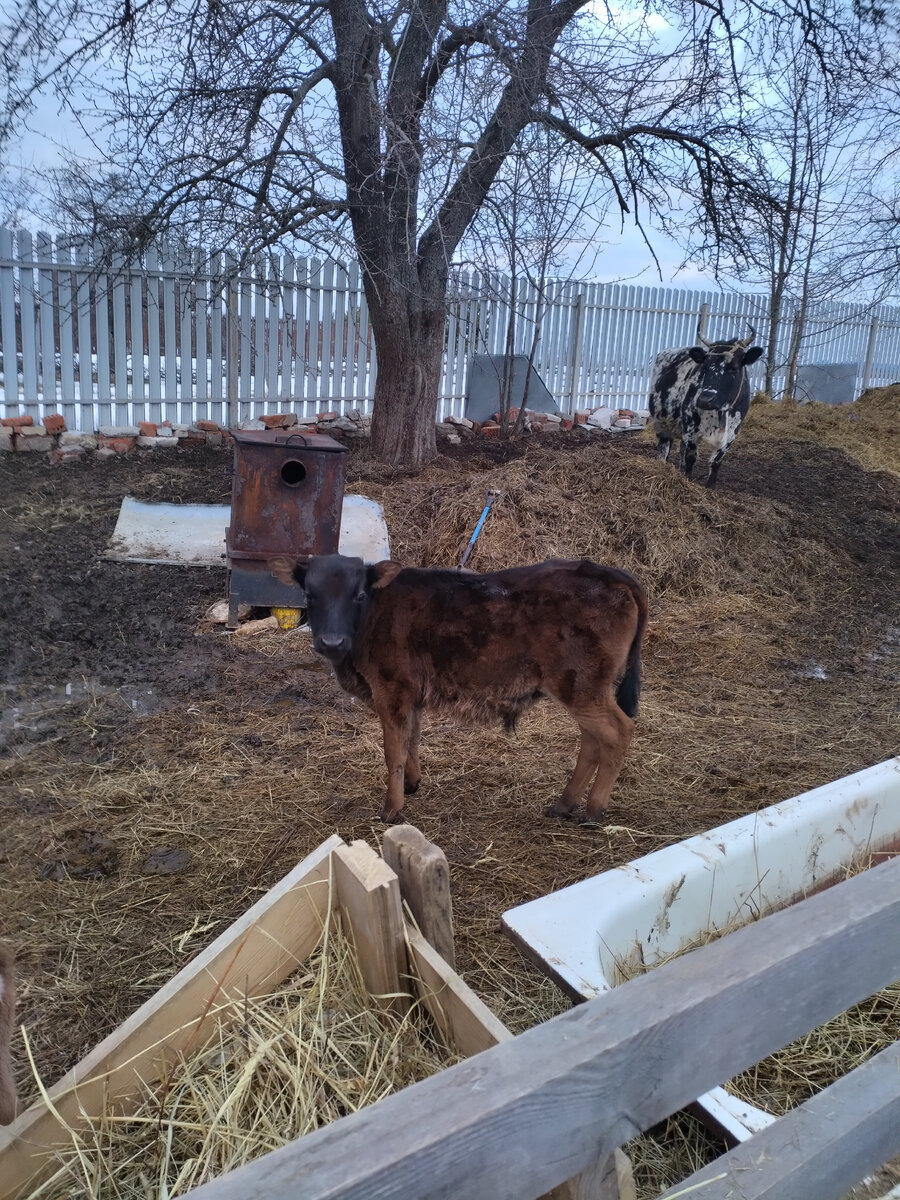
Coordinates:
x,y
251,957
464,1021
525,1115
369,895
424,876
819,1150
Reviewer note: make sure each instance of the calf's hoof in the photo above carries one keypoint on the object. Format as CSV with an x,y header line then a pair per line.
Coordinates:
x,y
558,810
389,815
410,789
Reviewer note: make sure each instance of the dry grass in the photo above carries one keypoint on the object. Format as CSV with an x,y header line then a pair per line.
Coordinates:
x,y
277,1067
868,429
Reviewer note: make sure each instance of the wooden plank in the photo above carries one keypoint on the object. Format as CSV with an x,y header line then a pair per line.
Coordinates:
x,y
154,361
70,410
424,876
289,333
186,301
525,1115
819,1150
85,350
8,324
369,896
200,408
251,957
136,326
169,407
122,410
44,254
217,323
29,400
103,327
467,1023
464,1021
273,328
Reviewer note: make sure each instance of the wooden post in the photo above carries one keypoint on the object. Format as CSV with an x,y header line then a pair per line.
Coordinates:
x,y
369,895
424,876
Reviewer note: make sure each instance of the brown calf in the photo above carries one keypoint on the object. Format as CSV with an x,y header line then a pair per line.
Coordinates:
x,y
7,1021
483,647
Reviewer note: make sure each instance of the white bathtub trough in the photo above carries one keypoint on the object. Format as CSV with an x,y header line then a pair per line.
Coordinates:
x,y
646,911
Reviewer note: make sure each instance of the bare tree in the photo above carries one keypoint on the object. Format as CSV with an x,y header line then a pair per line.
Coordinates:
x,y
811,134
381,128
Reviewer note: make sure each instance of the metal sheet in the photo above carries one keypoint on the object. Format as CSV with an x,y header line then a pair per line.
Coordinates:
x,y
194,534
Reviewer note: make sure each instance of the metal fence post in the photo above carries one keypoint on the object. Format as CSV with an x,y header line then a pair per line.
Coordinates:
x,y
575,356
231,351
870,354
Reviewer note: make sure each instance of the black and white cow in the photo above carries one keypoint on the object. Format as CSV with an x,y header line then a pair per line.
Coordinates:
x,y
702,395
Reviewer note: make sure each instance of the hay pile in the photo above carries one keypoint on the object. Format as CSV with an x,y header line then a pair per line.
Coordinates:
x,y
868,429
276,1068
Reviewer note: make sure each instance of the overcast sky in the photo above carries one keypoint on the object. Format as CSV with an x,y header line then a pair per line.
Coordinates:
x,y
619,255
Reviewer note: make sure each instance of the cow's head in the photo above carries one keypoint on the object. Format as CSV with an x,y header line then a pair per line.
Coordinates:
x,y
720,370
338,594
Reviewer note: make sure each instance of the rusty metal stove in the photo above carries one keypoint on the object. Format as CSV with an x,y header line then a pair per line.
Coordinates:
x,y
286,499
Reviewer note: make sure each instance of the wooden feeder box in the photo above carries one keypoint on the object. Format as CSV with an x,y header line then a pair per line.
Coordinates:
x,y
398,963
286,499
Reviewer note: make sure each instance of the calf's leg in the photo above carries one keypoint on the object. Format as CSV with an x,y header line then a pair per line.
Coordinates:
x,y
412,775
397,719
614,731
585,765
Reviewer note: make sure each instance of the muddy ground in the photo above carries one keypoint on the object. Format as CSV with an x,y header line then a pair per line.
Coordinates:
x,y
129,729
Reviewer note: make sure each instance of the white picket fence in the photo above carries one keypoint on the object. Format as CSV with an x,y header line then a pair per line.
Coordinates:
x,y
181,337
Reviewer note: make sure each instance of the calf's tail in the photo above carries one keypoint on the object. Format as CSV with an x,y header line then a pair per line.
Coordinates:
x,y
629,690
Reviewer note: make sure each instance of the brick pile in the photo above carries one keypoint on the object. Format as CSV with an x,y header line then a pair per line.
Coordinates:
x,y
22,435
587,420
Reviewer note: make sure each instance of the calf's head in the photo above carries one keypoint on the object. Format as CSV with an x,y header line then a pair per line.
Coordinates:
x,y
338,594
720,371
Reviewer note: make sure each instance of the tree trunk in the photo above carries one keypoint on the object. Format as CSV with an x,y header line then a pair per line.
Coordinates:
x,y
410,353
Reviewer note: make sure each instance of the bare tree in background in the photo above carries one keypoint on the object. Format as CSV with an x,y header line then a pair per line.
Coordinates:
x,y
536,209
380,129
811,140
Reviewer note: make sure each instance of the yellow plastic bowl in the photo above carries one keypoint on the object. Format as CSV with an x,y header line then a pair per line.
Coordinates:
x,y
287,618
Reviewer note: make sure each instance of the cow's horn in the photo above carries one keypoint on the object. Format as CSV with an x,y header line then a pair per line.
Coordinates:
x,y
748,341
701,340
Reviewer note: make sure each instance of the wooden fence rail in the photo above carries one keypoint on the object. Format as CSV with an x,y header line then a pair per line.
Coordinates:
x,y
179,336
520,1118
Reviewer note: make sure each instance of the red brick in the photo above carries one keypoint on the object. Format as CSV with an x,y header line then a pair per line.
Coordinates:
x,y
326,416
330,431
16,422
192,439
490,429
566,424
148,429
207,426
54,423
581,417
66,454
274,420
121,445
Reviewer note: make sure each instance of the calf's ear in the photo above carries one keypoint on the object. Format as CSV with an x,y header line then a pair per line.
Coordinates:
x,y
752,355
381,574
697,353
287,571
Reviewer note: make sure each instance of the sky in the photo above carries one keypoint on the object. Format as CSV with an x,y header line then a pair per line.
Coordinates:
x,y
618,255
